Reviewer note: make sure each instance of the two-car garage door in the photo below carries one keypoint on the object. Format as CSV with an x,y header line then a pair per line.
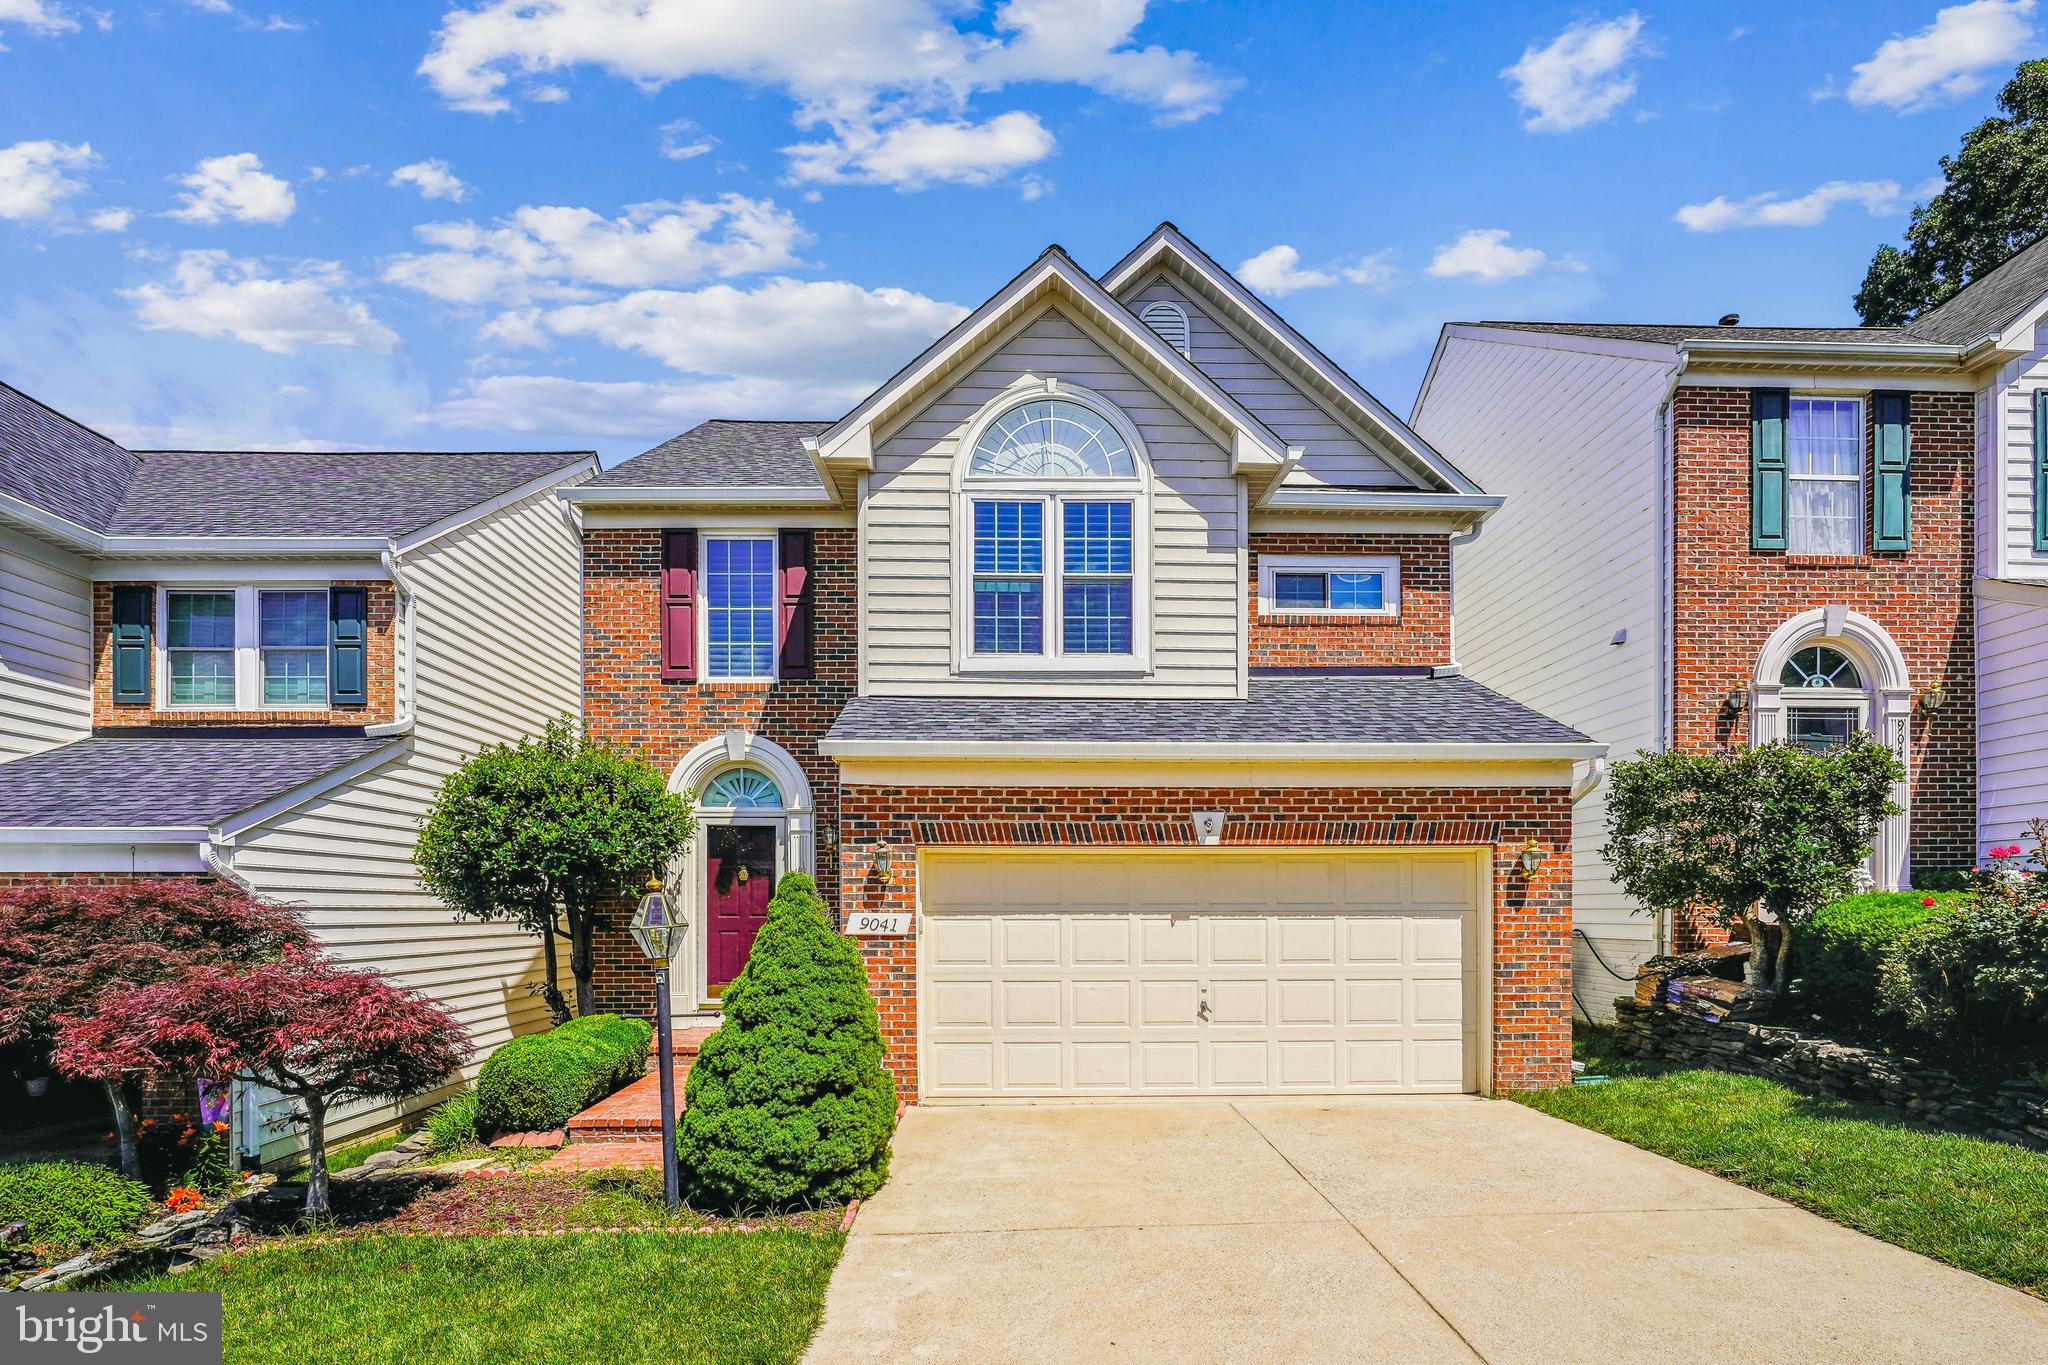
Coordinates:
x,y
1076,973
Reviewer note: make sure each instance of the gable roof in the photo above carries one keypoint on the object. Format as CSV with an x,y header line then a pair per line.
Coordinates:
x,y
1990,303
723,453
1168,247
86,488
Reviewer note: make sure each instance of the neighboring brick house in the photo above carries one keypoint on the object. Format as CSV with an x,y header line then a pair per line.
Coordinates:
x,y
1100,666
1720,535
257,666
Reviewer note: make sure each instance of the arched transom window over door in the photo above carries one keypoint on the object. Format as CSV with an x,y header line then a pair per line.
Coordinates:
x,y
1053,516
742,789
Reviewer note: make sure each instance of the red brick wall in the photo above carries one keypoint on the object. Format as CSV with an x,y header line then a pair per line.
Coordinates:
x,y
383,674
1728,598
1420,634
1532,915
625,699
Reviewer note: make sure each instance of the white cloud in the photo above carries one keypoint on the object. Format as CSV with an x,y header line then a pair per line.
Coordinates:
x,y
556,252
37,17
859,69
646,411
683,139
1375,272
432,179
1581,76
212,294
916,152
1950,58
1277,271
233,188
33,179
111,220
1878,198
1484,256
825,331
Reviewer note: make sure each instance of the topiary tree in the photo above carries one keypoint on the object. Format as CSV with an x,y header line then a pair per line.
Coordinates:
x,y
788,1103
542,832
64,947
1764,836
317,1033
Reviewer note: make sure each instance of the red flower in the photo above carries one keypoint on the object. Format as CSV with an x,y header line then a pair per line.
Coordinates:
x,y
2002,853
1927,900
221,1125
183,1199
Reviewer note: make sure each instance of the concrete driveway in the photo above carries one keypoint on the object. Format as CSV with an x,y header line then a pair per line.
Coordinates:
x,y
1379,1229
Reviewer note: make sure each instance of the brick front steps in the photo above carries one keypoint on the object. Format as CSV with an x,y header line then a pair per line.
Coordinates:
x,y
634,1114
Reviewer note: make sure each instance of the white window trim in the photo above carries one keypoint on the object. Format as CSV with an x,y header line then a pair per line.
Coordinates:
x,y
1052,494
704,539
248,647
1861,479
1387,566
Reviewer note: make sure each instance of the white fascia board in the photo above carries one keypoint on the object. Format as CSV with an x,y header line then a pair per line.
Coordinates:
x,y
1362,502
149,854
244,545
223,833
50,524
412,540
826,476
734,496
102,834
1168,241
365,569
1703,350
713,518
1188,751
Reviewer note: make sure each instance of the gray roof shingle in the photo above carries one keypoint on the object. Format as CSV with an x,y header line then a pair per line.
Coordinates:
x,y
52,462
1281,709
167,780
723,454
1673,334
1990,303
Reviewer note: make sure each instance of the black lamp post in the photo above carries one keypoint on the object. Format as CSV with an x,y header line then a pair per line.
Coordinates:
x,y
657,936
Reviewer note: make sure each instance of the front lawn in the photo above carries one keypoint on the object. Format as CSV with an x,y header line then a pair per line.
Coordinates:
x,y
1976,1204
605,1298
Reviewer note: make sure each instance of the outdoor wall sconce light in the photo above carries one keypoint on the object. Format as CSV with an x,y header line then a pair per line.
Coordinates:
x,y
1931,699
1529,858
1733,704
882,861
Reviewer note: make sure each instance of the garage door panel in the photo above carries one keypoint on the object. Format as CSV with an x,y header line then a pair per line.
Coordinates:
x,y
1087,974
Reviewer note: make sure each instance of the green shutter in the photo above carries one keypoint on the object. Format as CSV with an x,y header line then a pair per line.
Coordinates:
x,y
1767,496
2041,470
1891,512
134,620
348,673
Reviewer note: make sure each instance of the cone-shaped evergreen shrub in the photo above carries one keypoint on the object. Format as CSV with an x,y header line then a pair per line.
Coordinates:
x,y
788,1103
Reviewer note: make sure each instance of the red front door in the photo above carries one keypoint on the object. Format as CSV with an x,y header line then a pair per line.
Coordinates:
x,y
739,878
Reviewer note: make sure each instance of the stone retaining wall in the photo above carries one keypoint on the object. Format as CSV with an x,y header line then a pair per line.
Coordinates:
x,y
2016,1112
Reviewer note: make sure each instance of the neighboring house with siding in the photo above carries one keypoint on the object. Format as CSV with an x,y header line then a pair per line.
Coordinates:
x,y
1720,534
1100,666
258,667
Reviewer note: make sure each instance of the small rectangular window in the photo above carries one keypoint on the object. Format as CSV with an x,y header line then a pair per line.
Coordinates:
x,y
1328,585
1296,591
1009,577
739,606
291,631
199,645
1824,472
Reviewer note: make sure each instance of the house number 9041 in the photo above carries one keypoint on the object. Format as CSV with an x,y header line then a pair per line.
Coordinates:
x,y
868,924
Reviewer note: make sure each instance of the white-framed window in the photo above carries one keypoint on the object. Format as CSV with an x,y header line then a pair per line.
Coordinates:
x,y
243,648
1329,585
1825,702
741,590
1824,475
1053,518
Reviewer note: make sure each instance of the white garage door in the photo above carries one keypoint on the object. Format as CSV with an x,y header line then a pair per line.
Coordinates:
x,y
1218,972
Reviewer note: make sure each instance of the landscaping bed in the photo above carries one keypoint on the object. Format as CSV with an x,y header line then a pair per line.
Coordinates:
x,y
1976,1204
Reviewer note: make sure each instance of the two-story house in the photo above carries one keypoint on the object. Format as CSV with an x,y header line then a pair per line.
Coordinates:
x,y
258,667
1100,666
1718,535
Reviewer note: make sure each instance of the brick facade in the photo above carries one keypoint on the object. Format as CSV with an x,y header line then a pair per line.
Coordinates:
x,y
1420,634
1728,599
382,666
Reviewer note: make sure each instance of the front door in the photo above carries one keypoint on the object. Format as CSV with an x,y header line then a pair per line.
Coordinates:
x,y
739,878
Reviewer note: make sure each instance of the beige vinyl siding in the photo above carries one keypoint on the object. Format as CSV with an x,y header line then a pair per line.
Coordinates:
x,y
1197,531
498,653
1333,454
45,653
2012,710
1572,440
2009,493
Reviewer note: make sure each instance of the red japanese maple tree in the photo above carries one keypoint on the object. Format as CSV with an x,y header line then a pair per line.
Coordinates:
x,y
64,947
322,1034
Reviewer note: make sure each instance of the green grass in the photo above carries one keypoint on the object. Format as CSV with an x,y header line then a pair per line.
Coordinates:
x,y
354,1154
1978,1205
608,1299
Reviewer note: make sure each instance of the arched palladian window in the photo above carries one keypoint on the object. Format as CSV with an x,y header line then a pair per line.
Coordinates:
x,y
742,789
1825,700
1054,529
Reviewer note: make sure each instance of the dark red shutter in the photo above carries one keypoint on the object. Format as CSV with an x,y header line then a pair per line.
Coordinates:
x,y
679,606
798,616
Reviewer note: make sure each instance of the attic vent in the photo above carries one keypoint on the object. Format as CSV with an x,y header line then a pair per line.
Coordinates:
x,y
1170,320
1730,320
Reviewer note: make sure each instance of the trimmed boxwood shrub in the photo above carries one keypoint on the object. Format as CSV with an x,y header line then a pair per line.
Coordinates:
x,y
788,1103
1844,944
542,1080
72,1205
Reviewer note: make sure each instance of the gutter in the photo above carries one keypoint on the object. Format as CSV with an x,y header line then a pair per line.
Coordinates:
x,y
1474,505
401,724
1185,752
102,834
734,496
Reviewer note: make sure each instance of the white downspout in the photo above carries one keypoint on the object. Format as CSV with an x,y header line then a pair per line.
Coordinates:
x,y
1596,772
401,724
1455,542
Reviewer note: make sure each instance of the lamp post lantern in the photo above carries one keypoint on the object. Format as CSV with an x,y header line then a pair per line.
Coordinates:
x,y
656,933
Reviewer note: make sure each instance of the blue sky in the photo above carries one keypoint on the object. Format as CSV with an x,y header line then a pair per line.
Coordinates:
x,y
577,223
